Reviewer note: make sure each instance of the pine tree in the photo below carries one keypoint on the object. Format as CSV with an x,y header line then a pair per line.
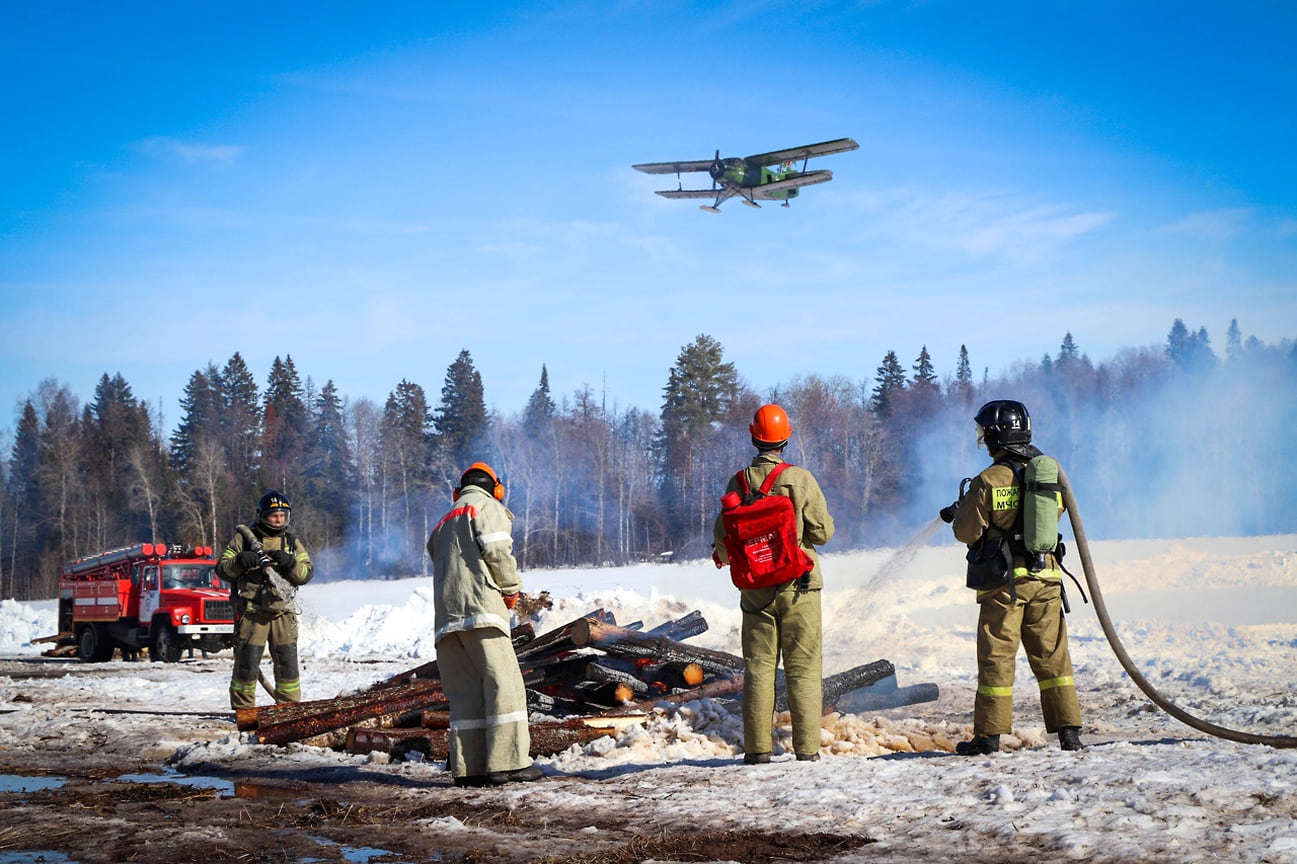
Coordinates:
x,y
200,411
405,445
240,435
924,375
1067,351
540,409
285,428
890,378
1233,341
461,419
702,394
701,390
1177,344
328,477
24,496
119,443
962,389
964,371
1190,352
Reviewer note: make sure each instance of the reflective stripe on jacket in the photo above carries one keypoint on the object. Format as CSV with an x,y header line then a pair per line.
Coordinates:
x,y
473,565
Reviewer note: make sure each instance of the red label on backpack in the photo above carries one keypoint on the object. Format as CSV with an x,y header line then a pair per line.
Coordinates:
x,y
761,537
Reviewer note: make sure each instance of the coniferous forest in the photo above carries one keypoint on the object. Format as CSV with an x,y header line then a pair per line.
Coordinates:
x,y
1166,441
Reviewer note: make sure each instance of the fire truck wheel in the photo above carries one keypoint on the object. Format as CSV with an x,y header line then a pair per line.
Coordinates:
x,y
94,645
165,645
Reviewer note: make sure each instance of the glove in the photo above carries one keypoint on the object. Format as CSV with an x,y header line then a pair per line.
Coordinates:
x,y
284,562
947,514
249,560
716,559
510,600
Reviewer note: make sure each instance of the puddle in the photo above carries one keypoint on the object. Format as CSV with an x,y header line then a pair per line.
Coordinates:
x,y
19,783
225,787
365,854
35,858
243,789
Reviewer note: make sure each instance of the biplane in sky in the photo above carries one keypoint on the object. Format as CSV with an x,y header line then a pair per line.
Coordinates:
x,y
770,176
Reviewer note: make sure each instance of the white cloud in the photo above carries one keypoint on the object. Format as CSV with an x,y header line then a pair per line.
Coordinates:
x,y
160,148
1016,228
1223,224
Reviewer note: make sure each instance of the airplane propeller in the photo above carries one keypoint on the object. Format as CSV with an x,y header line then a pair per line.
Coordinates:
x,y
717,169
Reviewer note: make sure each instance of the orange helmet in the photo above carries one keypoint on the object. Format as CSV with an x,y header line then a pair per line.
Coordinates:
x,y
770,428
497,488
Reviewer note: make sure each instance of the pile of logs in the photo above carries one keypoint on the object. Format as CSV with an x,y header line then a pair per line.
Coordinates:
x,y
591,677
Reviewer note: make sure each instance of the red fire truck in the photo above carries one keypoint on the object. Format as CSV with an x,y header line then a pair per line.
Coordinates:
x,y
164,598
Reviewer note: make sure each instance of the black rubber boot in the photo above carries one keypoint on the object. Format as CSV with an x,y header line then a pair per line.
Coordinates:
x,y
471,780
980,745
519,775
808,757
1069,738
756,758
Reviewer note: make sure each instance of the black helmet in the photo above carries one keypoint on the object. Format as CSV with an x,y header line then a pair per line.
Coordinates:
x,y
269,502
1004,422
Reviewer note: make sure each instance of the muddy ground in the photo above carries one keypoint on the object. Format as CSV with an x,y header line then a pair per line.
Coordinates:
x,y
96,787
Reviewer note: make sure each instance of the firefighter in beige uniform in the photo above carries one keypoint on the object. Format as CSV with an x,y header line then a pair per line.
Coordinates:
x,y
475,584
265,608
785,619
1029,608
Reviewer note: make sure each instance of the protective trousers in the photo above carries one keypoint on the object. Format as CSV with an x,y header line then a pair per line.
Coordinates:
x,y
1035,619
788,625
488,703
254,631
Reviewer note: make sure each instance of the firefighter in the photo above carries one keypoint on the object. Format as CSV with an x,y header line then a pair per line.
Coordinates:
x,y
264,566
475,584
782,620
1027,608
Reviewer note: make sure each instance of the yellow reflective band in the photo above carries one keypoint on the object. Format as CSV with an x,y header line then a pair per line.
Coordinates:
x,y
289,686
1051,683
243,686
987,690
1004,498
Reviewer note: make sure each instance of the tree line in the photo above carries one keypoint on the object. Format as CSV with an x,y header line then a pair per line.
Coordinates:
x,y
1159,442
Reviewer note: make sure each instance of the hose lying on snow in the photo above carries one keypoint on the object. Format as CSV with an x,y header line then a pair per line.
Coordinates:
x,y
1083,548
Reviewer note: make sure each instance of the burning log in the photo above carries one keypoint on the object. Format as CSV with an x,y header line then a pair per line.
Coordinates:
x,y
717,689
604,694
619,640
602,671
315,718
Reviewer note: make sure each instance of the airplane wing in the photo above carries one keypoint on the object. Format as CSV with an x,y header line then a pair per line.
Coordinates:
x,y
841,145
689,193
810,178
674,167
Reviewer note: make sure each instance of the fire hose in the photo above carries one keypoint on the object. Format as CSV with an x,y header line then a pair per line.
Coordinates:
x,y
1101,610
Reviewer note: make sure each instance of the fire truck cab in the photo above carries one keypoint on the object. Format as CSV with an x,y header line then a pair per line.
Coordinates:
x,y
167,599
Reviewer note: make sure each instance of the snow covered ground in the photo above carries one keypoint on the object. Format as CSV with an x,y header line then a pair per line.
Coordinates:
x,y
1211,622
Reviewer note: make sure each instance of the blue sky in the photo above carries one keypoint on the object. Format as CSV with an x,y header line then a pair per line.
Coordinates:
x,y
371,188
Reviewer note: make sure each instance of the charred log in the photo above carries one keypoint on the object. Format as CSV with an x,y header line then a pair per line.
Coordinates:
x,y
619,640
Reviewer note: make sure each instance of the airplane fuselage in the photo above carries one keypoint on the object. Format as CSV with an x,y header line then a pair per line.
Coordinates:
x,y
742,174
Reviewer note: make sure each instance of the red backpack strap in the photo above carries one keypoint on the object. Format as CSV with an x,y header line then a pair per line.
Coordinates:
x,y
742,477
770,478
